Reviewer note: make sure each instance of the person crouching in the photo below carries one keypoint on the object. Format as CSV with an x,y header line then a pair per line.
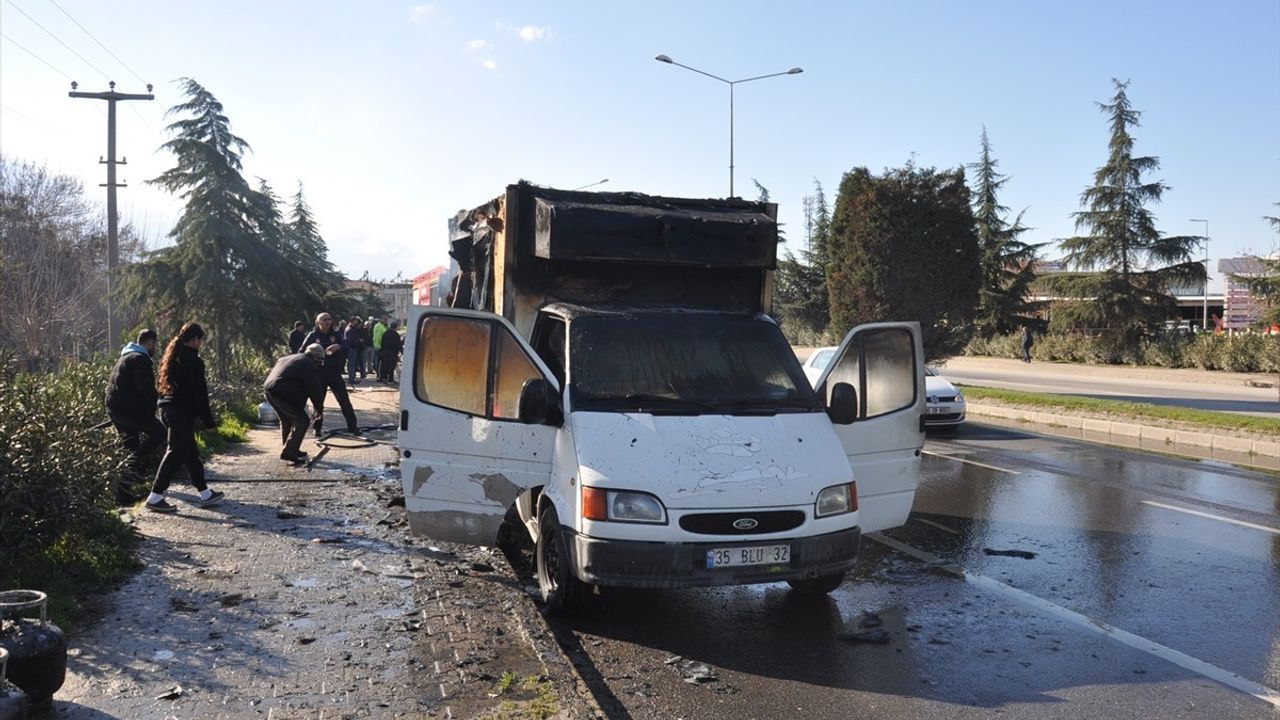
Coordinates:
x,y
294,380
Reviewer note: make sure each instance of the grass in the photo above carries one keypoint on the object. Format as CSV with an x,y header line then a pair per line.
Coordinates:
x,y
1136,411
530,699
88,560
234,423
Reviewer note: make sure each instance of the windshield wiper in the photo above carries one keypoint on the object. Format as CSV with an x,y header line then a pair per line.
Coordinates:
x,y
764,407
664,403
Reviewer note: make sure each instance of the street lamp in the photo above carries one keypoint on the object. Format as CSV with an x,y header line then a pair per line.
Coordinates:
x,y
1205,324
584,187
730,83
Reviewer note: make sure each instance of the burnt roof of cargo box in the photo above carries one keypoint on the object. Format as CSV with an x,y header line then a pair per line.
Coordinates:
x,y
571,311
618,201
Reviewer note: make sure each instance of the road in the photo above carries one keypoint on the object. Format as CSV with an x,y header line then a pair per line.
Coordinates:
x,y
1147,587
1156,388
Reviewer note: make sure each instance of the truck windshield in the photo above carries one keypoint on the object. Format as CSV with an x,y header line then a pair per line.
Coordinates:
x,y
685,365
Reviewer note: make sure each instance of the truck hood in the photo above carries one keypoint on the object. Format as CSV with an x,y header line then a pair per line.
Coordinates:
x,y
711,461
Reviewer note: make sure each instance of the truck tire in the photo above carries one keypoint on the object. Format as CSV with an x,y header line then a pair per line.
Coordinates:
x,y
561,590
820,585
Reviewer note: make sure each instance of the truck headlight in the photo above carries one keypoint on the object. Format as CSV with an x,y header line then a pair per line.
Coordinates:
x,y
836,499
622,506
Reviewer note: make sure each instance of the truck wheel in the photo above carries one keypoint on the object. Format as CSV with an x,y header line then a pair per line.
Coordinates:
x,y
820,585
561,590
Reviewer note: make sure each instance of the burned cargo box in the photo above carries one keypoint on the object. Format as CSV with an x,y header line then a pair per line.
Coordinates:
x,y
535,245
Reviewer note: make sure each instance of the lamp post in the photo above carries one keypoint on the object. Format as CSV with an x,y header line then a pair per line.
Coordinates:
x,y
584,187
730,83
1205,324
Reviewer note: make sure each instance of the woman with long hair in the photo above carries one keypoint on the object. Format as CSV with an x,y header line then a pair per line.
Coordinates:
x,y
184,398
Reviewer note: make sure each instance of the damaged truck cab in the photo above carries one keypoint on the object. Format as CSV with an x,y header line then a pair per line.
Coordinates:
x,y
609,382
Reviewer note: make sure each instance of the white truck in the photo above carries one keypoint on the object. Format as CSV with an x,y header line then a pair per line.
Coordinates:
x,y
608,380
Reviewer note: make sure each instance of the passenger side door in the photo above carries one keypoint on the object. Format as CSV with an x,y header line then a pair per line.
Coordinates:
x,y
884,362
465,455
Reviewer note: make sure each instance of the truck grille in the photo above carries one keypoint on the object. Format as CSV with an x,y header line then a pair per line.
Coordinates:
x,y
722,523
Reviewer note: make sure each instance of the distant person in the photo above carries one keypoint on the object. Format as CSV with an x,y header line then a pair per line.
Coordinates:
x,y
355,338
1028,339
131,402
184,399
392,345
335,356
294,380
297,336
379,330
370,355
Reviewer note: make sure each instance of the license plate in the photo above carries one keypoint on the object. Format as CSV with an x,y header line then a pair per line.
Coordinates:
x,y
739,556
939,411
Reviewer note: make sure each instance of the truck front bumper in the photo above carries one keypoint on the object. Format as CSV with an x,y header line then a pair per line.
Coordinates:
x,y
632,563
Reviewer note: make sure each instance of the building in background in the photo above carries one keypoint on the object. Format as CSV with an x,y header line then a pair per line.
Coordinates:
x,y
1241,309
431,287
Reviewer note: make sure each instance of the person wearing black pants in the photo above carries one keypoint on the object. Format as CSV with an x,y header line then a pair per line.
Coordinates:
x,y
131,403
392,345
335,356
184,399
294,380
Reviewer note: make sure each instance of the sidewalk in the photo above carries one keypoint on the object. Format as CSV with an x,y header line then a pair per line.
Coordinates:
x,y
303,596
1125,372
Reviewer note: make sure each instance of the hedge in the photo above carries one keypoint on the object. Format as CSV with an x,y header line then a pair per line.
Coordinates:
x,y
1243,352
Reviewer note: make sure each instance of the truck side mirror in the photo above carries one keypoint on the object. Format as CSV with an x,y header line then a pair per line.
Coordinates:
x,y
843,406
540,404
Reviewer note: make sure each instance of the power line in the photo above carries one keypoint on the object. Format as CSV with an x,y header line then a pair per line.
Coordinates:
x,y
46,62
55,37
104,47
28,118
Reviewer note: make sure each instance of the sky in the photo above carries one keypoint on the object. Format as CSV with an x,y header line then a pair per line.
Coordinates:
x,y
395,115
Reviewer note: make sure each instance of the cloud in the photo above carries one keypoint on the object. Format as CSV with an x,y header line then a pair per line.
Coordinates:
x,y
475,45
534,33
422,13
489,65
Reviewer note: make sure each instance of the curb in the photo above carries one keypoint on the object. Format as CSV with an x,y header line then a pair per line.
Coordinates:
x,y
1129,433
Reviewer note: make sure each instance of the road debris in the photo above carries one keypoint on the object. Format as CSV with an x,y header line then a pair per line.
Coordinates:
x,y
172,693
1024,554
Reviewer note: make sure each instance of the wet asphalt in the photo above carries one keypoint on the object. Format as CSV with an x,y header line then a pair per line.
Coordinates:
x,y
1037,577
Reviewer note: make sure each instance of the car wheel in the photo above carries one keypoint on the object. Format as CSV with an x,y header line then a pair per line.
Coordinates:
x,y
561,590
820,585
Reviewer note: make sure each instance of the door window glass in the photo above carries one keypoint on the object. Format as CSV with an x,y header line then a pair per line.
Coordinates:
x,y
888,381
512,370
891,373
452,366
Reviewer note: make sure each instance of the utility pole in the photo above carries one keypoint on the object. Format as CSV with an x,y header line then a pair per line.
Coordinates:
x,y
113,238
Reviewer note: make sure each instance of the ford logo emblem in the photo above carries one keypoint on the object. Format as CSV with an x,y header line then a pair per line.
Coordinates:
x,y
745,523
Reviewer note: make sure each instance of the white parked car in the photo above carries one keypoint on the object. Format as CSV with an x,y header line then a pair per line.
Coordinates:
x,y
944,407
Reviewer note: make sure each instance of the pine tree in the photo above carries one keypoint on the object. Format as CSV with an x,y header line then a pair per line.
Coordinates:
x,y
1008,264
1124,266
800,290
227,267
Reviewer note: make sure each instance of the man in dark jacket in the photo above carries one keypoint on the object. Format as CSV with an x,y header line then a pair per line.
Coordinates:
x,y
297,336
294,380
131,399
391,347
335,357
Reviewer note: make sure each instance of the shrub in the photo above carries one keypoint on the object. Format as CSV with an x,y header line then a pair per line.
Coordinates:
x,y
56,472
1243,352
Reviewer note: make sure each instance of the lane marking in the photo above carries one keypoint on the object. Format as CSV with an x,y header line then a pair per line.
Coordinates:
x,y
1163,652
971,462
940,526
1219,518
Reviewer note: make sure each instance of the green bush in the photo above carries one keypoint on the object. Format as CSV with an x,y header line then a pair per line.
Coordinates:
x,y
1243,352
57,474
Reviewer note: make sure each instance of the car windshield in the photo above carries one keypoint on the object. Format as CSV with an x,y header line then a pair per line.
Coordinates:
x,y
684,364
823,358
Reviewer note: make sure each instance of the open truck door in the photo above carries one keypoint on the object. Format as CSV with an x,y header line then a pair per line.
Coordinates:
x,y
883,363
466,453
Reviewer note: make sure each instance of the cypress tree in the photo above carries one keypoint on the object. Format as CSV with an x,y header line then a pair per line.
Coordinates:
x,y
903,246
